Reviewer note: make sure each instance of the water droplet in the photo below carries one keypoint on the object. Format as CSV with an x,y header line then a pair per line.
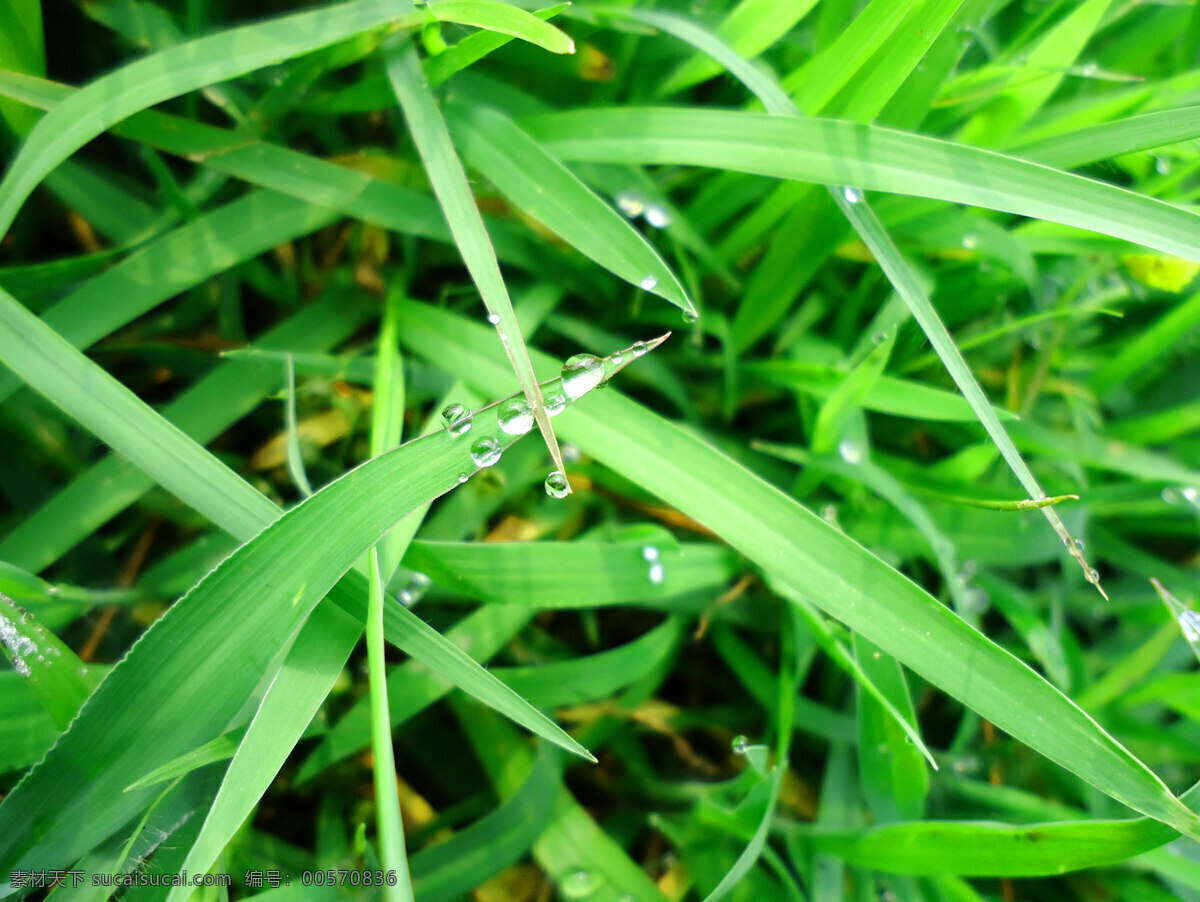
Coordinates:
x,y
657,573
649,283
1093,575
970,241
617,359
1189,622
740,744
463,477
630,203
486,451
689,317
850,451
571,452
852,194
1162,165
1079,544
1170,495
515,417
457,419
494,318
650,553
556,485
580,884
657,216
1089,70
879,337
638,349
580,374
1190,493
556,403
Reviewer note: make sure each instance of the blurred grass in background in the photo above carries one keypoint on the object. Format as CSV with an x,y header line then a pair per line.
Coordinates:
x,y
823,602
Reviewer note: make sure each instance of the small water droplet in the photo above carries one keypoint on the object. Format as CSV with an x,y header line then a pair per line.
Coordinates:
x,y
486,451
852,194
657,216
556,403
970,241
1089,70
740,744
1170,495
850,451
879,337
515,417
617,359
463,477
1190,493
1162,165
580,884
650,553
638,349
689,317
494,318
580,374
630,203
649,283
1093,575
457,419
657,573
1079,544
556,485
571,452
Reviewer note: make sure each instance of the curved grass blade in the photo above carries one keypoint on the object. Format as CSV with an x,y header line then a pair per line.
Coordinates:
x,y
504,19
428,130
843,153
545,189
797,548
175,71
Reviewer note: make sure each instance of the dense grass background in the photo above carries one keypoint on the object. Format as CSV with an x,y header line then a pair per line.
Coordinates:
x,y
852,598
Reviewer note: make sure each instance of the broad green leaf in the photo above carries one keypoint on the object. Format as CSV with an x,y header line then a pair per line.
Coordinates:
x,y
26,730
800,550
869,157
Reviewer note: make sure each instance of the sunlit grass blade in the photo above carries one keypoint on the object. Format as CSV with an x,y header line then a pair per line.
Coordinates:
x,y
803,551
449,181
841,153
504,19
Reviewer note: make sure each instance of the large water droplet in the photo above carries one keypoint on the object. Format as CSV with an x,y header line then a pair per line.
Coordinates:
x,y
649,283
555,402
657,216
850,451
852,194
457,419
638,349
630,203
580,374
515,417
740,744
486,451
556,485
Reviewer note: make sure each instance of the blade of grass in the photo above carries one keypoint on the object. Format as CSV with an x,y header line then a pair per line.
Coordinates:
x,y
504,19
176,71
800,550
841,153
449,181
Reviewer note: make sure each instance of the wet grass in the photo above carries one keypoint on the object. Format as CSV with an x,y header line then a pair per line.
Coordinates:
x,y
873,581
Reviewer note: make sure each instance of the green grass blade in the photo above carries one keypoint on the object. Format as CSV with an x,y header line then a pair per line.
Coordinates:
x,y
543,188
504,19
841,153
428,130
173,72
801,550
